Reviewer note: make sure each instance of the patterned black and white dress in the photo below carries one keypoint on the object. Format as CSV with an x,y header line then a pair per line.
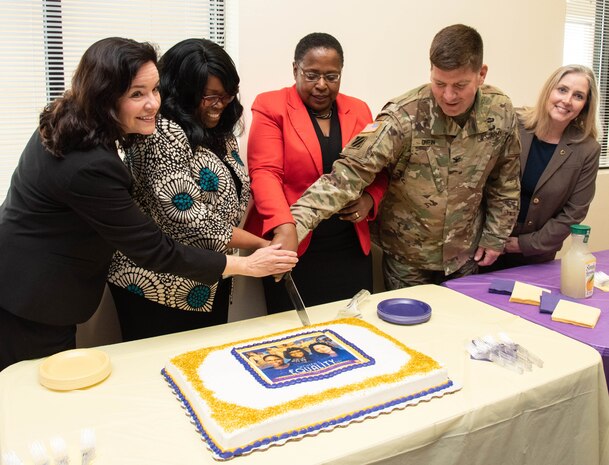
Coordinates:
x,y
195,197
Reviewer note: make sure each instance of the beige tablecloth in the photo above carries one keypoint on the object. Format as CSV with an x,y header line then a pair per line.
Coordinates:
x,y
555,415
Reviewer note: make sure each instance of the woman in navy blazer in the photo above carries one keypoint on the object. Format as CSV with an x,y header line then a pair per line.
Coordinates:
x,y
296,134
68,207
559,163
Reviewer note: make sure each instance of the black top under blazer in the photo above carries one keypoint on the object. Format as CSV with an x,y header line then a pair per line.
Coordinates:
x,y
60,224
562,195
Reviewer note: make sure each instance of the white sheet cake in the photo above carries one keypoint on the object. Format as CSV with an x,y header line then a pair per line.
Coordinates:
x,y
266,391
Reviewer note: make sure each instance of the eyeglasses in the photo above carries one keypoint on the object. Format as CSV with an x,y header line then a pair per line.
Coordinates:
x,y
310,76
211,100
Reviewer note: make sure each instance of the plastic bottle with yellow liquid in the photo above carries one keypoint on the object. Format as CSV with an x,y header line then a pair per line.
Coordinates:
x,y
578,265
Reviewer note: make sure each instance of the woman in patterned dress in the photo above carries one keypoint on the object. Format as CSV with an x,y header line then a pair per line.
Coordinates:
x,y
69,207
189,178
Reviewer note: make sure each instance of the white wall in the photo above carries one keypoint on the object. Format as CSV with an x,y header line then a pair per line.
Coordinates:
x,y
597,217
386,45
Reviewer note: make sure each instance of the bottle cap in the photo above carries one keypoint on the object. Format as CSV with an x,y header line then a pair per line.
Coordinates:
x,y
580,229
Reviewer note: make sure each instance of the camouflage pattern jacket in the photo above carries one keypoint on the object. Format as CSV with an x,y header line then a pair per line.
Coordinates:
x,y
451,190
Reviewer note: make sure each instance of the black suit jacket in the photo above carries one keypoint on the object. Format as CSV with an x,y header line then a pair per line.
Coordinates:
x,y
62,220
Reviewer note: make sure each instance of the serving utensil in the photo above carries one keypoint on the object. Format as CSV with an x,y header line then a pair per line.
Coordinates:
x,y
297,301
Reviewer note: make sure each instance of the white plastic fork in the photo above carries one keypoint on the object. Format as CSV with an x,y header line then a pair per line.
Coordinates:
x,y
60,450
11,458
39,453
87,445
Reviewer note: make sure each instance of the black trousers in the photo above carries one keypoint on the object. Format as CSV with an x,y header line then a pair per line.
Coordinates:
x,y
329,270
22,339
141,318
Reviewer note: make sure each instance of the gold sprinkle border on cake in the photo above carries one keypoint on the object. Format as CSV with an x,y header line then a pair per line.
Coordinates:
x,y
242,417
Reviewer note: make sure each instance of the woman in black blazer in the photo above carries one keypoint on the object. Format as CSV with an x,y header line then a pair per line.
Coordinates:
x,y
558,163
68,207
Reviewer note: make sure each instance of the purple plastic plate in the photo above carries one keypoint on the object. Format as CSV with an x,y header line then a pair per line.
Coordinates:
x,y
404,311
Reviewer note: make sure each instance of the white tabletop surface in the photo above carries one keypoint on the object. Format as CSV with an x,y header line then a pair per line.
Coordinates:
x,y
558,414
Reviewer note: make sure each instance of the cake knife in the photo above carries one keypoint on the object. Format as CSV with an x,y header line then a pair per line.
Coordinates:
x,y
290,286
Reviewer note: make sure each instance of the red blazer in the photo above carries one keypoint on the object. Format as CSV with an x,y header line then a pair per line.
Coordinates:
x,y
284,159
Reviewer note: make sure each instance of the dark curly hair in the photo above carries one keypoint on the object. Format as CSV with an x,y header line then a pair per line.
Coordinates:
x,y
314,351
87,115
287,353
318,40
185,69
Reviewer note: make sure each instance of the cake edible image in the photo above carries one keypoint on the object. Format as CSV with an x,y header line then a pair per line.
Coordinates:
x,y
305,357
252,394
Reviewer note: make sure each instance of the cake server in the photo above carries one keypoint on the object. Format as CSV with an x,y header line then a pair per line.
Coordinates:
x,y
296,299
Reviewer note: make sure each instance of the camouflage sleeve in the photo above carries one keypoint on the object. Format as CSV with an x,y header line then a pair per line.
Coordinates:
x,y
378,146
502,193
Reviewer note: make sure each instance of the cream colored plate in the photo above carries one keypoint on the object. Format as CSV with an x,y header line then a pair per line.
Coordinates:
x,y
74,369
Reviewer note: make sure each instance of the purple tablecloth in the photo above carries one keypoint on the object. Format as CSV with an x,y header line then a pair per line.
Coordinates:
x,y
545,275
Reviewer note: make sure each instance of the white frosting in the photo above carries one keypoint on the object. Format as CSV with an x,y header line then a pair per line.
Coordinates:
x,y
230,382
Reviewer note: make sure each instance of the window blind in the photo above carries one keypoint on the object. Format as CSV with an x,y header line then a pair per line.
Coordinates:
x,y
586,34
41,42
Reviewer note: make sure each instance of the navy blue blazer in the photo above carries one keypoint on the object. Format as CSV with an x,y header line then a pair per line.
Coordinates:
x,y
60,224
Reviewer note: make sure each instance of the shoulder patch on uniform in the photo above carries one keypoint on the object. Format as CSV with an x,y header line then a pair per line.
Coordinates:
x,y
372,127
357,142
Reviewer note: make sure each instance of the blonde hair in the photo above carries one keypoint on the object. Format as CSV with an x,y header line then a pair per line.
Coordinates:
x,y
537,118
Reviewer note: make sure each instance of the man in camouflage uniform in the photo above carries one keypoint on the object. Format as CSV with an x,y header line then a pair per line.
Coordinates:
x,y
452,149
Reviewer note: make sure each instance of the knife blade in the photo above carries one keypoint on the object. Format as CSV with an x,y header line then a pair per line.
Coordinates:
x,y
299,305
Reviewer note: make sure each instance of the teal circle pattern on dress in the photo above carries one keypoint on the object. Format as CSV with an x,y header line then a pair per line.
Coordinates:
x,y
198,296
183,201
137,290
208,180
237,157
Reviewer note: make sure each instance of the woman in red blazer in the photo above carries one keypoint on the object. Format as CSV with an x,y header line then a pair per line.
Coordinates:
x,y
296,134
